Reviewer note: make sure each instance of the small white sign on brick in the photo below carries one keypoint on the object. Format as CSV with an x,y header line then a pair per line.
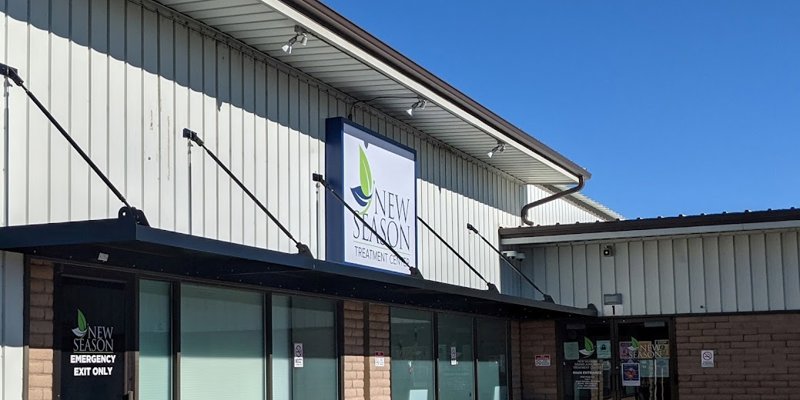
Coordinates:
x,y
707,358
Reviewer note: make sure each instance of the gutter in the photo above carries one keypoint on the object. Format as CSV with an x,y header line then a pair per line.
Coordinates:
x,y
361,38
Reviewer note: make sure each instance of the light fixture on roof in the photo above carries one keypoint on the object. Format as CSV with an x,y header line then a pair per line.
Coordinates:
x,y
418,105
501,147
300,35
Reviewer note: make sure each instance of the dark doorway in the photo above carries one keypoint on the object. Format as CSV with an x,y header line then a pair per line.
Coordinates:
x,y
93,337
618,359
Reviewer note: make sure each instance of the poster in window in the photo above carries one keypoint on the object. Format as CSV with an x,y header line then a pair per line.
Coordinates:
x,y
631,375
661,348
646,350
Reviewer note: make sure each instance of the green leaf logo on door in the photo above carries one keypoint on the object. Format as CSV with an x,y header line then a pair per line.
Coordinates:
x,y
83,327
588,348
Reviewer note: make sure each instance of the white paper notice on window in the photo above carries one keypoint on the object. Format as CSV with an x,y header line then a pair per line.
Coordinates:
x,y
298,355
453,355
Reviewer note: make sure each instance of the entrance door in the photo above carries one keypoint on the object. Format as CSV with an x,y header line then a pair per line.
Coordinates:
x,y
616,360
93,337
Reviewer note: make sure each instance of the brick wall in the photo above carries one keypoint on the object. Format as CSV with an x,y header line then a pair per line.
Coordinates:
x,y
516,361
40,327
353,375
538,383
378,378
757,357
366,332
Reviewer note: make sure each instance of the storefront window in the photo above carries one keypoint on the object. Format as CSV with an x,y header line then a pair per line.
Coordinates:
x,y
412,355
492,359
155,350
222,344
456,369
304,360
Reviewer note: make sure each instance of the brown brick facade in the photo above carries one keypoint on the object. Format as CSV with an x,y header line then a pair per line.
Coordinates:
x,y
538,383
757,357
366,332
40,331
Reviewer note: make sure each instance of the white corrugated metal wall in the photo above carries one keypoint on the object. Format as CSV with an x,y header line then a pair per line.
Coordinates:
x,y
726,272
11,303
124,79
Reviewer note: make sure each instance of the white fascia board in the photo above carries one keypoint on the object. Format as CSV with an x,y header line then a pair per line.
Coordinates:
x,y
411,84
692,230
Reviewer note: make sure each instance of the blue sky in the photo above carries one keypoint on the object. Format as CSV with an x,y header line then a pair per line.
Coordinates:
x,y
674,107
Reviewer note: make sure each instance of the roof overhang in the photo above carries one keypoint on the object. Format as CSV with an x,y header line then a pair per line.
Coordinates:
x,y
652,227
134,247
347,58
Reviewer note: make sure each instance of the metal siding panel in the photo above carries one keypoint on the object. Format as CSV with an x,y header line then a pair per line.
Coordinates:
x,y
99,126
711,268
594,275
553,275
638,299
273,151
134,116
666,277
758,265
680,258
539,272
791,270
236,148
567,294
652,285
609,278
727,273
151,99
60,153
117,104
775,271
167,134
29,155
744,287
181,112
623,275
697,276
79,102
580,283
197,122
222,145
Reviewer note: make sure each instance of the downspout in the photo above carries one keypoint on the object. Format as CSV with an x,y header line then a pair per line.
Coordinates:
x,y
554,196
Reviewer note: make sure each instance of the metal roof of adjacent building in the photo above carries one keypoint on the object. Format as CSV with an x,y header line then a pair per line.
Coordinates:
x,y
646,227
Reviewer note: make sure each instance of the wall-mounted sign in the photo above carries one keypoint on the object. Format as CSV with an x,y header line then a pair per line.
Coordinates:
x,y
298,355
542,360
453,355
378,178
380,359
707,358
91,323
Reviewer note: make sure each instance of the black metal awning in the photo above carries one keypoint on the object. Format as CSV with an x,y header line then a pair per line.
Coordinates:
x,y
141,248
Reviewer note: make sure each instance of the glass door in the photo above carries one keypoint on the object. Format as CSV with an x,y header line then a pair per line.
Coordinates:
x,y
618,359
644,360
586,367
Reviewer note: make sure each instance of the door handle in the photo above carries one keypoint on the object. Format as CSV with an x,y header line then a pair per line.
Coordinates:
x,y
128,395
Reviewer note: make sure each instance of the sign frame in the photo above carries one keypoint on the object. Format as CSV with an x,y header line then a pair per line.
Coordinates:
x,y
335,213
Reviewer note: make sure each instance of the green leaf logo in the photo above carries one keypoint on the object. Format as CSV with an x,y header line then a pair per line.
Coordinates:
x,y
83,326
588,347
365,173
363,193
634,343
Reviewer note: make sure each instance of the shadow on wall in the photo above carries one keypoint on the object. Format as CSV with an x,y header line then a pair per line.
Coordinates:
x,y
177,52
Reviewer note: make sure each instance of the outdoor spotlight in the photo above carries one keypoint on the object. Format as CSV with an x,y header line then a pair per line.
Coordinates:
x,y
499,148
418,105
300,35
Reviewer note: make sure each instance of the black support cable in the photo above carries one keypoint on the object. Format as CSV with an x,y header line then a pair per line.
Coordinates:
x,y
194,137
319,178
546,296
11,73
491,286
